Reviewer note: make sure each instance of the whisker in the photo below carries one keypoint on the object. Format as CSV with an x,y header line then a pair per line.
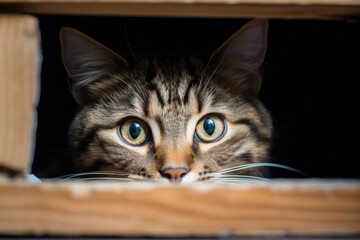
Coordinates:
x,y
213,73
234,182
252,165
203,75
240,177
89,173
132,89
75,175
101,178
215,70
106,181
127,39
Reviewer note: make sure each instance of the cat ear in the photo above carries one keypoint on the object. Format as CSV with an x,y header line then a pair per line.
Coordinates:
x,y
87,62
238,62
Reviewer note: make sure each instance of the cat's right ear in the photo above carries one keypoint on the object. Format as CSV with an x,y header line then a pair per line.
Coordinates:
x,y
87,62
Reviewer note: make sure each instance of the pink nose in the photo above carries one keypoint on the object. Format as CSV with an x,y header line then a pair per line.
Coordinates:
x,y
175,174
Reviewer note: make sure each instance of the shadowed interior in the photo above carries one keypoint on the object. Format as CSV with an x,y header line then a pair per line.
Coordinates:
x,y
308,87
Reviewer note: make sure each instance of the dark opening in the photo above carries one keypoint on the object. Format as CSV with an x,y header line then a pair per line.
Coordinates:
x,y
311,75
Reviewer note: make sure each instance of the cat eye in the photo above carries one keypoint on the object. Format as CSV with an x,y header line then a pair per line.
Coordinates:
x,y
134,131
210,128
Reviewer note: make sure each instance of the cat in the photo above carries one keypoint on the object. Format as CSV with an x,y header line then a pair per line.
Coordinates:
x,y
169,120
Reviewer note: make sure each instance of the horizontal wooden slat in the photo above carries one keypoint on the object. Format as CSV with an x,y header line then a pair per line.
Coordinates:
x,y
277,208
300,9
303,2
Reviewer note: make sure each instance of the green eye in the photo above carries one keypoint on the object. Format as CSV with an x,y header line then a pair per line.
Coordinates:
x,y
134,131
210,128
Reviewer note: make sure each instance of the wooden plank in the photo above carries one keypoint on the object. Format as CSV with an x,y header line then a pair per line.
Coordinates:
x,y
19,76
19,69
278,208
290,9
303,2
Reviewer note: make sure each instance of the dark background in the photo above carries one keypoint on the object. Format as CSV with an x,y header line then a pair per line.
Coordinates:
x,y
311,75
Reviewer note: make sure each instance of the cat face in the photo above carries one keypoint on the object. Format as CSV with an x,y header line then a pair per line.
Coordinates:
x,y
168,119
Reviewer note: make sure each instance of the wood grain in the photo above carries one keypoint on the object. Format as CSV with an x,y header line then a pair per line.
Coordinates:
x,y
288,9
19,76
278,209
303,2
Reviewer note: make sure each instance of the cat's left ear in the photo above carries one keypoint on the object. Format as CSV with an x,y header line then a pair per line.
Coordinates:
x,y
238,62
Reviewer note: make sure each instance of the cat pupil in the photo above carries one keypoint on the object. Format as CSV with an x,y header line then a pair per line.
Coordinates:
x,y
209,126
135,130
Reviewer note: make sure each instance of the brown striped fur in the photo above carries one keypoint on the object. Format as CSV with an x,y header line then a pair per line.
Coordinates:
x,y
170,95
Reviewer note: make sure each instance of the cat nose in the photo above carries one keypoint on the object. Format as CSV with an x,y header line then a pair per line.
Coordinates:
x,y
175,174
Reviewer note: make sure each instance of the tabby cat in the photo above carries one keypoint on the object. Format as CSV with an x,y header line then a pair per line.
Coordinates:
x,y
177,120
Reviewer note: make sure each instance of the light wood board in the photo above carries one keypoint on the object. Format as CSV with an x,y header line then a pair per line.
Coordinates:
x,y
288,9
19,78
303,2
277,208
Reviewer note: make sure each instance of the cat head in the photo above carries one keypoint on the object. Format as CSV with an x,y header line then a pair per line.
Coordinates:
x,y
169,120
